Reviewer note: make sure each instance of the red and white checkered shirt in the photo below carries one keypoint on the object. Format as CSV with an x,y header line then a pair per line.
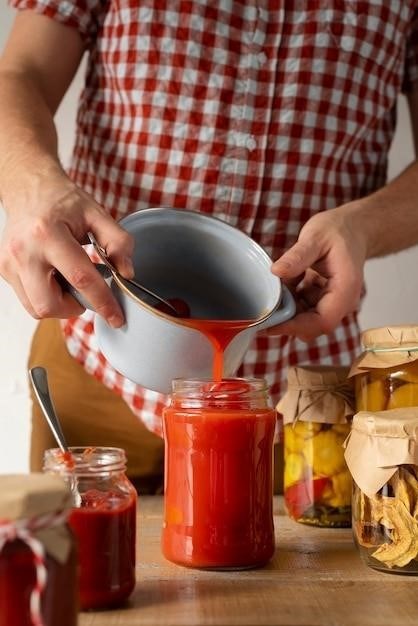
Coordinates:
x,y
259,112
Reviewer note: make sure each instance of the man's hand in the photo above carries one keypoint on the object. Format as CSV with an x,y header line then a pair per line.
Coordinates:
x,y
324,270
48,216
44,232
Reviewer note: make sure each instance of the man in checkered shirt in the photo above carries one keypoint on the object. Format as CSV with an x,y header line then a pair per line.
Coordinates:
x,y
275,116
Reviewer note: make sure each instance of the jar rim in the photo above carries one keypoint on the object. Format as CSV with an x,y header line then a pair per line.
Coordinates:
x,y
86,460
232,393
248,384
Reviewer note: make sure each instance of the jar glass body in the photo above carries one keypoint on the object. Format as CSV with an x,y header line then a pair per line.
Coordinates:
x,y
317,482
59,600
385,526
104,522
394,387
218,501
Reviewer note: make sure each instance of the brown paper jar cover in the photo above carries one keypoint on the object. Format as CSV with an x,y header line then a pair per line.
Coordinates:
x,y
386,347
378,444
317,410
26,496
317,394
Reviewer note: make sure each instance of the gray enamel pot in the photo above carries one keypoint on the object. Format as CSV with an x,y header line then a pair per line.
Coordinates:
x,y
217,269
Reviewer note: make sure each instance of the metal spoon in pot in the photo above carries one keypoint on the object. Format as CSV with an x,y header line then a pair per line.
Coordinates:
x,y
39,380
133,284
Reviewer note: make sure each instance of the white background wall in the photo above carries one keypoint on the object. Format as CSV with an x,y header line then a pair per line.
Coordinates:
x,y
392,296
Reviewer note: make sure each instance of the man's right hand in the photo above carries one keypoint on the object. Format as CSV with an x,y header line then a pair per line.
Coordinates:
x,y
44,232
48,217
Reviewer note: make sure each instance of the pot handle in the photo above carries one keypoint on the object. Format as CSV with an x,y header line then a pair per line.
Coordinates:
x,y
65,285
283,312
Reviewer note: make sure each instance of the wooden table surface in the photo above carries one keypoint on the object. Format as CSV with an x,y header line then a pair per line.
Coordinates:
x,y
316,578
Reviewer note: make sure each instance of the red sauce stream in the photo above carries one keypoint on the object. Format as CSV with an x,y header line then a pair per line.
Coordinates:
x,y
220,333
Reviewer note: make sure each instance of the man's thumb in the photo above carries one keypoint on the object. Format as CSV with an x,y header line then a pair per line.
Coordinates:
x,y
296,260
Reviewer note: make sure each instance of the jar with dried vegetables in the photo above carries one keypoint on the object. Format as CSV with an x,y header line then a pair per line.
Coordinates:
x,y
386,373
317,410
382,454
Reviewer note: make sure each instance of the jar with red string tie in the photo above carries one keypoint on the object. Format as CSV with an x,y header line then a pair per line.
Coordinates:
x,y
38,562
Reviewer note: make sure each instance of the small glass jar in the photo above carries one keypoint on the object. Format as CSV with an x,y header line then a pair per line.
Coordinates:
x,y
218,501
103,521
33,529
382,453
387,371
317,410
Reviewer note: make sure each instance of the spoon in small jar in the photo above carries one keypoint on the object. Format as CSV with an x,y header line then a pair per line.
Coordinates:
x,y
39,380
156,300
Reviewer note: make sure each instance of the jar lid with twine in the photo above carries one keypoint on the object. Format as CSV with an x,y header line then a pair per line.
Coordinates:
x,y
317,394
34,509
378,444
386,347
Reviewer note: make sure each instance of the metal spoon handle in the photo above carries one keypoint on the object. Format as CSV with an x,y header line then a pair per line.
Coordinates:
x,y
39,380
134,285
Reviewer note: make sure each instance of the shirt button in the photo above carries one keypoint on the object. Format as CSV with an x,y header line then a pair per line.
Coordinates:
x,y
261,58
250,143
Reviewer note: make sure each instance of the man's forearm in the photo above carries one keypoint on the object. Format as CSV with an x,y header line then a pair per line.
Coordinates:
x,y
28,138
388,218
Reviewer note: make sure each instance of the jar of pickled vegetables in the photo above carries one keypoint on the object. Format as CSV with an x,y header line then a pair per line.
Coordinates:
x,y
317,410
386,373
382,454
38,555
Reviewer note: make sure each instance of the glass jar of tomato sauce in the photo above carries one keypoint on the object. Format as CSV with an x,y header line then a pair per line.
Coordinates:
x,y
218,502
386,373
317,411
38,560
103,520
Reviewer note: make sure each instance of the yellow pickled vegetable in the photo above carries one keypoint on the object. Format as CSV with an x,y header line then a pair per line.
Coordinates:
x,y
407,372
292,441
404,395
294,468
371,397
338,494
306,429
328,495
342,486
328,454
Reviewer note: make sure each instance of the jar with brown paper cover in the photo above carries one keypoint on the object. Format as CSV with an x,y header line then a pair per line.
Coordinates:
x,y
386,373
317,410
382,455
38,555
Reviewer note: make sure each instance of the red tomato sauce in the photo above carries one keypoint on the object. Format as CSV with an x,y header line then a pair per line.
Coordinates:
x,y
105,528
218,492
220,333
